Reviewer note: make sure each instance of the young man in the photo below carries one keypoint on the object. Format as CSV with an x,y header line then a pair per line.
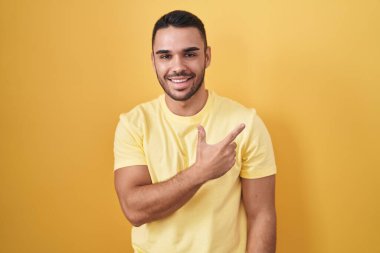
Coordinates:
x,y
194,171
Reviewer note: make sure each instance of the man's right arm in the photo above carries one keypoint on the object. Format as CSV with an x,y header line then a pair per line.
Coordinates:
x,y
144,202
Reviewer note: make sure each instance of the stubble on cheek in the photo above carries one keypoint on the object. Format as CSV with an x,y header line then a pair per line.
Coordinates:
x,y
193,89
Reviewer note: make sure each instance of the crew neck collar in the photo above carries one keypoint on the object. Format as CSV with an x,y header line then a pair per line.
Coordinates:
x,y
193,118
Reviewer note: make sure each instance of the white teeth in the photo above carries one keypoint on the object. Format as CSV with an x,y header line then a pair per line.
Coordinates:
x,y
178,80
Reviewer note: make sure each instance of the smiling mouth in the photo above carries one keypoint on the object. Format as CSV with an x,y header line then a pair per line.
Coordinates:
x,y
180,79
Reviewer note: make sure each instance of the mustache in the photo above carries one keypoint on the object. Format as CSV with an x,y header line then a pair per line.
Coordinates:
x,y
182,73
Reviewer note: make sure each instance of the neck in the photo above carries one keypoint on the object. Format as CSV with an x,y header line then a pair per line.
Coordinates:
x,y
189,107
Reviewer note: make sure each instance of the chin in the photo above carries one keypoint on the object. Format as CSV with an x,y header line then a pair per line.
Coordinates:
x,y
181,98
181,95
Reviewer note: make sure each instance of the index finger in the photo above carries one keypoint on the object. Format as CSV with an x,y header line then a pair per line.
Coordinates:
x,y
232,136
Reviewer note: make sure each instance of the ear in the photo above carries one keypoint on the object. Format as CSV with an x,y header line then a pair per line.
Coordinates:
x,y
152,59
208,56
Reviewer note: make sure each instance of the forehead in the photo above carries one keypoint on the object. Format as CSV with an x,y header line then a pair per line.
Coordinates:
x,y
174,38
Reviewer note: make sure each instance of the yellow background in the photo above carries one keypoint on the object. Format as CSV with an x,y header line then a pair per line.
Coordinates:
x,y
68,68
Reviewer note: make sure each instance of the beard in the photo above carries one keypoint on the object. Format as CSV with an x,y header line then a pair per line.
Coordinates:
x,y
193,89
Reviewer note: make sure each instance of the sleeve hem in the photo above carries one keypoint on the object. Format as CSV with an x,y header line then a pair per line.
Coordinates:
x,y
126,164
265,173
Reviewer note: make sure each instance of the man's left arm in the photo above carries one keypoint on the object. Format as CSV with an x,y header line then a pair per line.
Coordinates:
x,y
259,202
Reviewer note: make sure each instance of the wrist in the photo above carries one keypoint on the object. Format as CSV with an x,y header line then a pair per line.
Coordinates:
x,y
197,174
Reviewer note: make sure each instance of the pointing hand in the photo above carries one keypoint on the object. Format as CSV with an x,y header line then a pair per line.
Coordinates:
x,y
214,161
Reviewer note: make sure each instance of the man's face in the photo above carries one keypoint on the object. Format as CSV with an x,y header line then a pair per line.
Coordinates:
x,y
180,60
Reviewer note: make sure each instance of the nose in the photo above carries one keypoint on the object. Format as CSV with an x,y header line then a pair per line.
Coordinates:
x,y
178,64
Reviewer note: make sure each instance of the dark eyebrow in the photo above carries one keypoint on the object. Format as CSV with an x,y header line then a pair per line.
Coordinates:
x,y
190,49
186,50
162,51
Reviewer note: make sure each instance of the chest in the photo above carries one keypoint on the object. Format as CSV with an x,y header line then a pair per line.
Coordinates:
x,y
171,148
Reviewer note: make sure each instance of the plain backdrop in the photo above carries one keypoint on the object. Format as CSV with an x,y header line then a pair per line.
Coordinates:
x,y
69,68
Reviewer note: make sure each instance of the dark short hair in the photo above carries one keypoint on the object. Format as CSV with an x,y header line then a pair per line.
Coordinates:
x,y
180,19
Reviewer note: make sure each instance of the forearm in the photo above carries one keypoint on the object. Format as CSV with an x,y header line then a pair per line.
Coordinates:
x,y
262,233
151,202
144,202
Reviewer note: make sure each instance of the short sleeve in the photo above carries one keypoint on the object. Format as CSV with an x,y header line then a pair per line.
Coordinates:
x,y
128,144
257,151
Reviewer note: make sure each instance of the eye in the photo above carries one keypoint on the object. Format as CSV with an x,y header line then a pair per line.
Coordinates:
x,y
190,55
165,56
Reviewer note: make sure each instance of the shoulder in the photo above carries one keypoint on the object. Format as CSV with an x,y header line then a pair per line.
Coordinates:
x,y
141,113
230,107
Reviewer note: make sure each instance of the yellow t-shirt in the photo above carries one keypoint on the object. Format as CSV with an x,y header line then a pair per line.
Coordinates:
x,y
213,220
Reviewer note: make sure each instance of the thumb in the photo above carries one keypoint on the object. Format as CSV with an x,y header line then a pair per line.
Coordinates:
x,y
201,135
